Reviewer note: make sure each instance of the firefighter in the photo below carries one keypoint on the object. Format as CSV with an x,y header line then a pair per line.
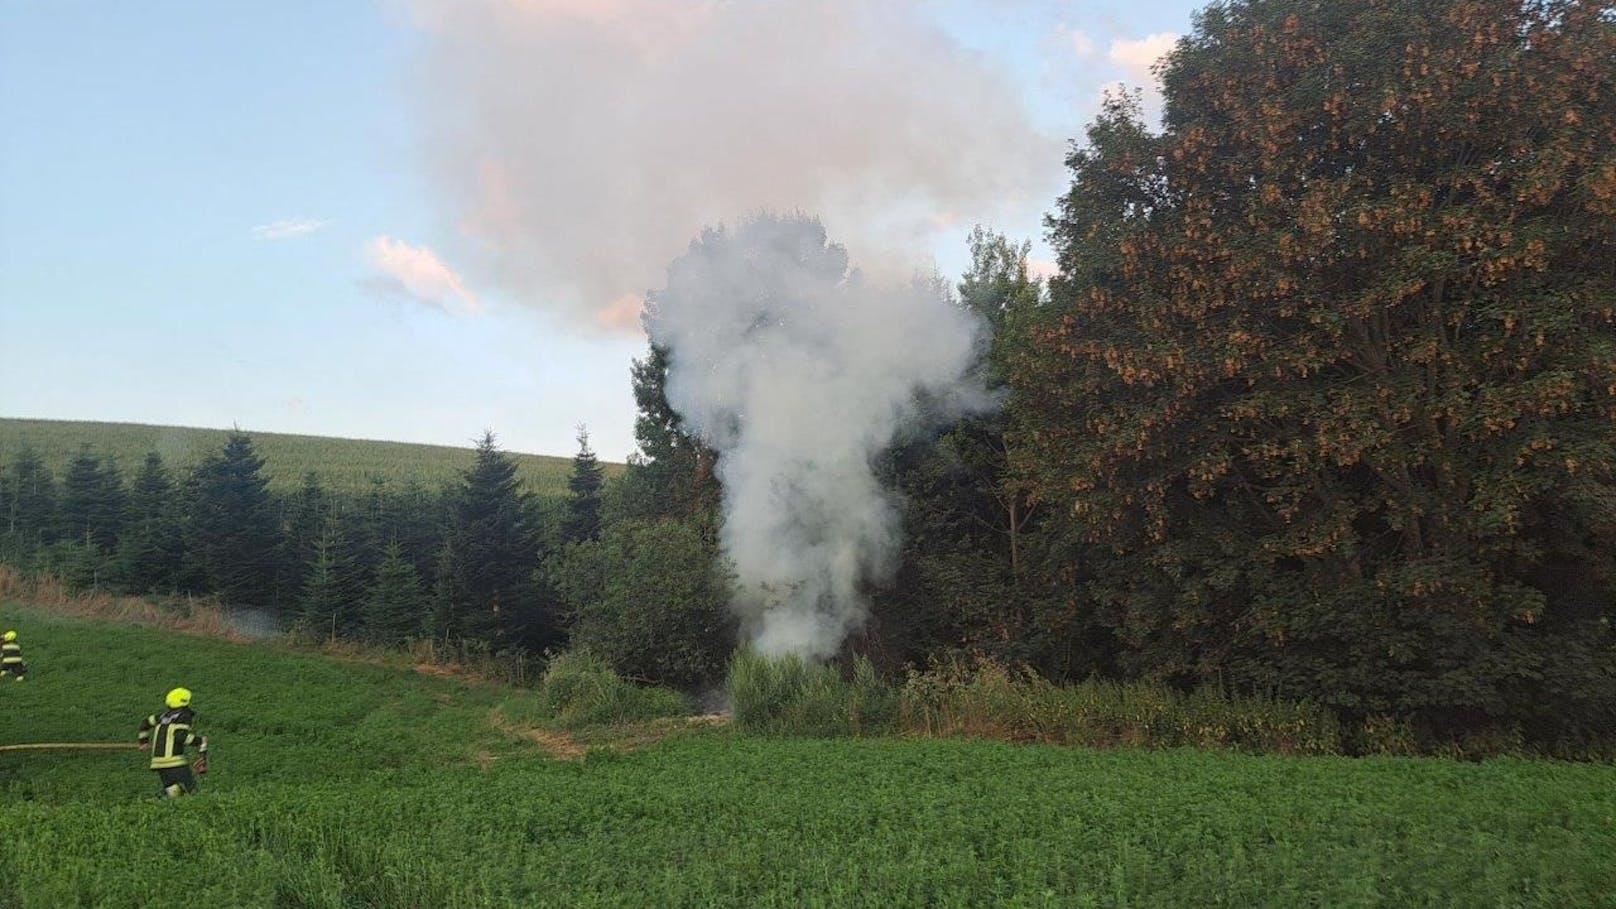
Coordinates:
x,y
11,657
169,734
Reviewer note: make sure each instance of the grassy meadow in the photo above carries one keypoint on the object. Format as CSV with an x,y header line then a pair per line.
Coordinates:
x,y
347,784
343,464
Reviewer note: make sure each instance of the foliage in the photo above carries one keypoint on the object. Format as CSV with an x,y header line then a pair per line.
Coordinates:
x,y
233,536
490,554
80,564
788,695
651,597
30,499
222,531
1322,401
580,689
583,503
93,501
397,607
333,593
966,516
993,701
151,550
672,474
346,465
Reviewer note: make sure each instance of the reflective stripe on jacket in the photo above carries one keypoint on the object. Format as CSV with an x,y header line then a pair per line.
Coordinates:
x,y
169,734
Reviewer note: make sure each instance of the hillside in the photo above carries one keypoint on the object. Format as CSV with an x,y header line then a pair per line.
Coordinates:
x,y
343,464
339,784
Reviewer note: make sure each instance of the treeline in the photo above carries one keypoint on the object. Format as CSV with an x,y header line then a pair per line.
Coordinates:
x,y
626,568
458,562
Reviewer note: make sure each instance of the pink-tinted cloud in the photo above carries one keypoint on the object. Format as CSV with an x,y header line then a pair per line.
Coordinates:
x,y
622,314
1042,269
416,272
578,146
1136,57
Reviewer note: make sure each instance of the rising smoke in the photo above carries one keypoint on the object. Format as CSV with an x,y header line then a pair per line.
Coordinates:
x,y
579,144
799,372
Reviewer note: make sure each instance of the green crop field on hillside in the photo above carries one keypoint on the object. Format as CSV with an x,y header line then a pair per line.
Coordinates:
x,y
343,464
341,784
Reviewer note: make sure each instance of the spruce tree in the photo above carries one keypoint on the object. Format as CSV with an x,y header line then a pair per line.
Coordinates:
x,y
331,598
583,508
368,529
413,517
234,534
306,516
672,473
397,606
30,518
92,501
444,620
488,593
151,548
111,509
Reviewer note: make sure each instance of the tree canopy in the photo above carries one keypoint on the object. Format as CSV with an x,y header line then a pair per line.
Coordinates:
x,y
1327,383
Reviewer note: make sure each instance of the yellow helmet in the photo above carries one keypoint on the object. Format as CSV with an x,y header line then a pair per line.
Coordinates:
x,y
11,636
179,697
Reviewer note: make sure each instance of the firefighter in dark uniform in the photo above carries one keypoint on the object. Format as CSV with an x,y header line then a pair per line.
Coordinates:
x,y
11,657
168,734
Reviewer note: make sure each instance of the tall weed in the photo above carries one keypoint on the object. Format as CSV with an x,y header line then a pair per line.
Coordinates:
x,y
990,700
791,696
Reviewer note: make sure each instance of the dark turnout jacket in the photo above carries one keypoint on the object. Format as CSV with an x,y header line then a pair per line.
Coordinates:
x,y
169,733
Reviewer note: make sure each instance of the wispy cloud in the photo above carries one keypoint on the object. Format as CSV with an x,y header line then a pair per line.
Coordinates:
x,y
1077,40
416,273
288,228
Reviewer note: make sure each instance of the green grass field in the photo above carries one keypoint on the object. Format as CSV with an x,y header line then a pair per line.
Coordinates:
x,y
351,785
343,464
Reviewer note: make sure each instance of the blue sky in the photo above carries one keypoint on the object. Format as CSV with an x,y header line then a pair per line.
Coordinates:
x,y
193,198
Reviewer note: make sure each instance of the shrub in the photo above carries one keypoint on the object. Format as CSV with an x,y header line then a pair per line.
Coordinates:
x,y
651,598
580,689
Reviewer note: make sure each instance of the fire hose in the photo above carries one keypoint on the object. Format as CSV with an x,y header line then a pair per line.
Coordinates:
x,y
104,746
201,763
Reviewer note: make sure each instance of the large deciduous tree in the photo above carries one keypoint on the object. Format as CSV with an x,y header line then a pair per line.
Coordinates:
x,y
1329,382
966,511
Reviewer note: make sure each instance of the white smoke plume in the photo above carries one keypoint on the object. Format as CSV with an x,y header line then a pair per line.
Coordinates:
x,y
578,144
798,372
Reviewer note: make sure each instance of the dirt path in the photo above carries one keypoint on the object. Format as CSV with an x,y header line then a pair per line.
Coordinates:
x,y
562,746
